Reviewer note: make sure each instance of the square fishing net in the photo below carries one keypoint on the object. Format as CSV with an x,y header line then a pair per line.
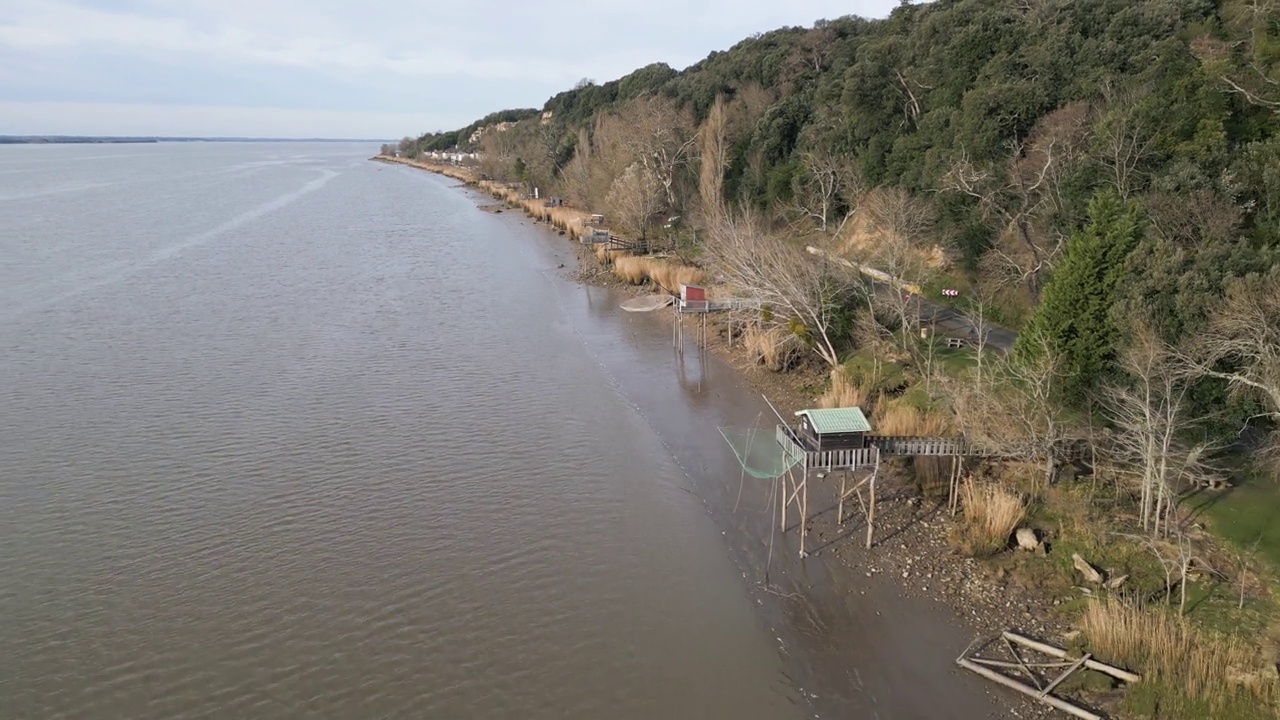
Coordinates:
x,y
759,452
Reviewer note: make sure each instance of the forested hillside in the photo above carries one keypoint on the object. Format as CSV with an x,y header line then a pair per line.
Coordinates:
x,y
1002,120
1102,177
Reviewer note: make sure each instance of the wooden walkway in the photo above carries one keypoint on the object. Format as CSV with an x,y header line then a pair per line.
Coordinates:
x,y
877,445
931,446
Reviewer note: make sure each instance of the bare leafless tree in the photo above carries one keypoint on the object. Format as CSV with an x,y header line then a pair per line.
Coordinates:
x,y
912,91
797,291
817,186
814,49
829,180
1241,345
576,175
1193,220
1244,331
1124,137
1247,67
634,198
713,157
1149,417
1176,555
1022,196
662,139
902,225
1014,411
981,303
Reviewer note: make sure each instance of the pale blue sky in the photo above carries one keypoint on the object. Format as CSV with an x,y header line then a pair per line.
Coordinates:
x,y
369,69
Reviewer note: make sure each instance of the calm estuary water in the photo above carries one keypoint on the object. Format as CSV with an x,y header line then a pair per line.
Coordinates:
x,y
286,433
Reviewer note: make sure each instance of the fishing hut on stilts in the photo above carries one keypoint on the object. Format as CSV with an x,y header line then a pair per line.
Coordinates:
x,y
691,305
820,445
832,441
691,301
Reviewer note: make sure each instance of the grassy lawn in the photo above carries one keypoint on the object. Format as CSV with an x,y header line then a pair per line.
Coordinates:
x,y
1248,515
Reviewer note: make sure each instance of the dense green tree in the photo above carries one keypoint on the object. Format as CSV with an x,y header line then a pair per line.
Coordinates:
x,y
1074,318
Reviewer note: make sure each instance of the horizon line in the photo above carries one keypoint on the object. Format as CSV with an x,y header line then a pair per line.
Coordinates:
x,y
190,138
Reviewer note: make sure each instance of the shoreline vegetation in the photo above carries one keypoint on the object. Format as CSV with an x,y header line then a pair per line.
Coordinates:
x,y
1050,229
1193,614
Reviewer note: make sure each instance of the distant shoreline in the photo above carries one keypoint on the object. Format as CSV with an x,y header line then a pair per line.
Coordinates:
x,y
117,140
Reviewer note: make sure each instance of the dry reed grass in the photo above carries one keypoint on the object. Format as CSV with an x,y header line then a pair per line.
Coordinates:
x,y
843,392
605,257
671,275
668,275
1208,669
631,269
571,220
903,420
772,347
991,514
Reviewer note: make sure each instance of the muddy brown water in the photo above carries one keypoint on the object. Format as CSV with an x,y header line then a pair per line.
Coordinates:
x,y
287,433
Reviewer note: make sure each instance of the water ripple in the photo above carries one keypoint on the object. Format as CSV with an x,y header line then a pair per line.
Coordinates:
x,y
349,460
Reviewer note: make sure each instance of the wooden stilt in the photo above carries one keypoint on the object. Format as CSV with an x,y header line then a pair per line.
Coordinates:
x,y
804,508
840,506
794,497
871,510
782,503
953,485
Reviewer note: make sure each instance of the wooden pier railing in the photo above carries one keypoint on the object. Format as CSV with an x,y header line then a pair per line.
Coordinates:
x,y
830,459
937,446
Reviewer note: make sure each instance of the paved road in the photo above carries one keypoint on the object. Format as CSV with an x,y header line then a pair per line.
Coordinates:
x,y
945,320
953,323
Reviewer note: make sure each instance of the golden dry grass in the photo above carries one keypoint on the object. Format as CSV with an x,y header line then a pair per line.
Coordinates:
x,y
991,514
570,220
1206,668
631,269
903,420
843,392
671,275
773,347
668,275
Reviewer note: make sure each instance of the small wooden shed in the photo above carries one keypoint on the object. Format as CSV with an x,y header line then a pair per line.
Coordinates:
x,y
693,298
833,429
594,236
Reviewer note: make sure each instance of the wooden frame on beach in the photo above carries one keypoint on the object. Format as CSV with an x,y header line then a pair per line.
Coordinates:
x,y
1026,678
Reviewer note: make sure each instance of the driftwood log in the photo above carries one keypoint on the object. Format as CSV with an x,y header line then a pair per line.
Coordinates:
x,y
1089,572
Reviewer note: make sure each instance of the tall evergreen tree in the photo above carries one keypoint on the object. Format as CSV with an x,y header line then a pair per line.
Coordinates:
x,y
1074,318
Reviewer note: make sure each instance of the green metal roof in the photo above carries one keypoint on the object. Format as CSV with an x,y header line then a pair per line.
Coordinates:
x,y
837,420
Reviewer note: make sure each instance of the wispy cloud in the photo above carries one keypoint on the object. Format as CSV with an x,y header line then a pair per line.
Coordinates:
x,y
60,26
440,59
